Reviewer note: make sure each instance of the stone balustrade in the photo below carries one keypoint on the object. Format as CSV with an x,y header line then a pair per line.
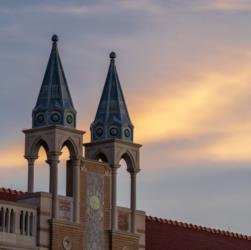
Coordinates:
x,y
18,223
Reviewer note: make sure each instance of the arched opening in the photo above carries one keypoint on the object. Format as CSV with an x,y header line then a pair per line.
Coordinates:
x,y
7,216
12,221
123,185
65,170
62,170
41,170
101,157
21,222
26,223
31,224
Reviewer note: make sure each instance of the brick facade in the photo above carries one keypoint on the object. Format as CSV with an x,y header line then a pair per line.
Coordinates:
x,y
66,233
124,241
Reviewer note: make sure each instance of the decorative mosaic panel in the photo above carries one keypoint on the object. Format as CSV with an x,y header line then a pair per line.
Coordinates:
x,y
94,211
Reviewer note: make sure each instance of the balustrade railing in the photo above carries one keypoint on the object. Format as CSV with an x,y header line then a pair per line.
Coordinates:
x,y
17,221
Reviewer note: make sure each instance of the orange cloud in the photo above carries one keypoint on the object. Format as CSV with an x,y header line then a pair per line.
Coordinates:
x,y
229,5
214,104
13,157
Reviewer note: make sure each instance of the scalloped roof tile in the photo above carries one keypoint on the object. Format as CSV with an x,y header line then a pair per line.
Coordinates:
x,y
10,194
162,233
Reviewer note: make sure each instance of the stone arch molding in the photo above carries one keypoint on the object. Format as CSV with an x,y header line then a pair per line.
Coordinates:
x,y
52,144
129,159
101,155
72,146
34,146
113,158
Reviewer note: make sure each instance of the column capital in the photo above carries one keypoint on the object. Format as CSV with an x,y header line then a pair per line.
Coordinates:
x,y
134,172
53,156
75,160
30,159
115,166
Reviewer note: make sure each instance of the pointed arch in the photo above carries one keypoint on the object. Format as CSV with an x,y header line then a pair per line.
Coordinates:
x,y
37,144
128,158
100,156
71,146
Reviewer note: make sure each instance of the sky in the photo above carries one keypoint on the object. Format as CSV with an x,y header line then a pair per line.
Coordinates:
x,y
185,69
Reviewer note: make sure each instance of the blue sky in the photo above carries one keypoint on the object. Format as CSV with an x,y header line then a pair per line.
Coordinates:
x,y
185,68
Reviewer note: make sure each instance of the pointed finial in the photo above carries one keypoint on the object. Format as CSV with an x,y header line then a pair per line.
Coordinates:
x,y
54,38
112,55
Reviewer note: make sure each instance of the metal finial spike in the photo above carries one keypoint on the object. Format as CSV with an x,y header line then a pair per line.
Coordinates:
x,y
54,38
112,55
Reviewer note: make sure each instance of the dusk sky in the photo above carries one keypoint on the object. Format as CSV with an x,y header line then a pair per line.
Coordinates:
x,y
185,69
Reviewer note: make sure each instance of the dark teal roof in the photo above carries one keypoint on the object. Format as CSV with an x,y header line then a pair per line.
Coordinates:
x,y
54,104
112,118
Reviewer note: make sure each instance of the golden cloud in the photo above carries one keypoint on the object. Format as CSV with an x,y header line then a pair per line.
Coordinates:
x,y
13,157
229,5
214,104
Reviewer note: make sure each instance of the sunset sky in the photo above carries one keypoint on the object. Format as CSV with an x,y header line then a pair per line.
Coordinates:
x,y
185,69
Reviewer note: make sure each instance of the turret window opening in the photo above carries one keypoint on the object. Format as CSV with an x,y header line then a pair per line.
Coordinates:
x,y
63,167
41,169
123,185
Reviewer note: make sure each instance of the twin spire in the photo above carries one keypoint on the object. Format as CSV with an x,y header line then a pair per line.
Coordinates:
x,y
112,118
55,107
54,104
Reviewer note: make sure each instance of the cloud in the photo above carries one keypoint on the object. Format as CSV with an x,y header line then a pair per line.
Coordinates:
x,y
87,9
228,5
13,157
203,119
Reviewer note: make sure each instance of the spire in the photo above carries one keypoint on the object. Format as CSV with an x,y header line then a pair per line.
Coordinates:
x,y
112,118
54,104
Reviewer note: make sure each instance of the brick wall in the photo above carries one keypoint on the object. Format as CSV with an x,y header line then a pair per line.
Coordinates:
x,y
61,231
124,241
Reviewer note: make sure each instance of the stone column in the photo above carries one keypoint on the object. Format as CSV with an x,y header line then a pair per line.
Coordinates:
x,y
133,200
34,231
76,189
114,196
53,161
31,161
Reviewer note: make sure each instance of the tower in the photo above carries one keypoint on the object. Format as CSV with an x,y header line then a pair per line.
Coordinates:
x,y
112,139
53,127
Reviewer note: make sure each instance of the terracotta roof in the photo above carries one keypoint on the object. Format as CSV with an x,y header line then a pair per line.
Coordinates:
x,y
199,228
9,194
162,234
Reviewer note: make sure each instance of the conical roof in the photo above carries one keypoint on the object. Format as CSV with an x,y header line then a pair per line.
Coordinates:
x,y
112,110
54,97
